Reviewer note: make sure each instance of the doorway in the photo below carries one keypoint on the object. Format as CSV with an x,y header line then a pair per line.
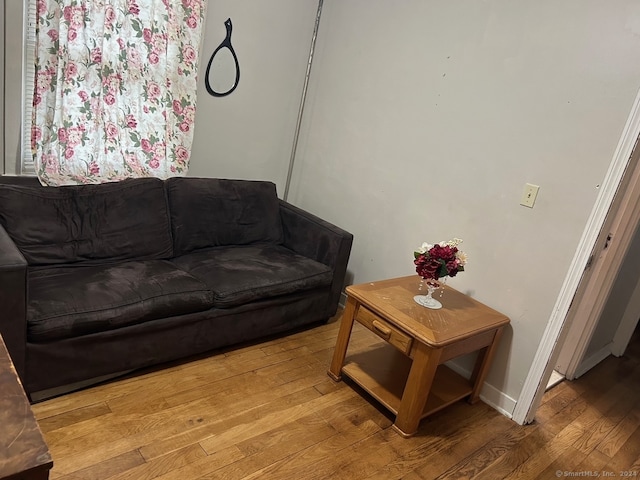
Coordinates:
x,y
616,323
599,257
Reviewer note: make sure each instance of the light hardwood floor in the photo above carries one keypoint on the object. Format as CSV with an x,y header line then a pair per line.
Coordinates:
x,y
269,411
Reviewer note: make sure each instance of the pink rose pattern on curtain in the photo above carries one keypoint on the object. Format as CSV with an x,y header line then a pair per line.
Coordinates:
x,y
115,93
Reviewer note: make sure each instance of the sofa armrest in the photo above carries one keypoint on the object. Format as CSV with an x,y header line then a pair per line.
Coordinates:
x,y
314,238
13,298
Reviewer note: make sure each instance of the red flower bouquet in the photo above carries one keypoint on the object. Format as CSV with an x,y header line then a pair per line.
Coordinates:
x,y
443,259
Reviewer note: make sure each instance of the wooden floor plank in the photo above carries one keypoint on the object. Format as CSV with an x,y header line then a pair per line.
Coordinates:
x,y
268,410
511,460
164,464
464,443
568,461
72,417
204,465
621,432
594,462
219,424
487,455
596,433
434,435
107,468
627,455
270,447
352,428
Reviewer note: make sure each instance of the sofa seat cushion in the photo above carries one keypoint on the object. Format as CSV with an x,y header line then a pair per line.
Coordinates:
x,y
243,274
69,301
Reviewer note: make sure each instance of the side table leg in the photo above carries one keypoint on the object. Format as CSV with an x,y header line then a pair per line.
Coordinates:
x,y
481,368
416,390
342,342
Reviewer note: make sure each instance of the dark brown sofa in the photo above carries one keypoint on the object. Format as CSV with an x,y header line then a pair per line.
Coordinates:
x,y
100,279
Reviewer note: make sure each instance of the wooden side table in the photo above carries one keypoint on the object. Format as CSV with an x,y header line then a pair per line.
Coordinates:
x,y
405,373
23,453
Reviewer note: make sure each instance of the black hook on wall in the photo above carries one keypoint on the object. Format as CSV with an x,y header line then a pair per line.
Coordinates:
x,y
226,43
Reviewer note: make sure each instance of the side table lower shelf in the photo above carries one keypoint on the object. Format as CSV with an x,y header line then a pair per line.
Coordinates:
x,y
382,371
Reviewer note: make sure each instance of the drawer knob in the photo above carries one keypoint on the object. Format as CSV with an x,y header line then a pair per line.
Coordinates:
x,y
382,330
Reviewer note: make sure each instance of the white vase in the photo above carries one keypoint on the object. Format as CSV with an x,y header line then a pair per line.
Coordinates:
x,y
428,300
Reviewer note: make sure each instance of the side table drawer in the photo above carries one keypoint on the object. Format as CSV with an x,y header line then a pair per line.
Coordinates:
x,y
384,330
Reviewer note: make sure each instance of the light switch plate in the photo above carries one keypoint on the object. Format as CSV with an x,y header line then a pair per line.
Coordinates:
x,y
529,195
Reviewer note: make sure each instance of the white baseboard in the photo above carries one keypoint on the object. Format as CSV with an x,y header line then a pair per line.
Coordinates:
x,y
554,379
593,359
490,395
343,299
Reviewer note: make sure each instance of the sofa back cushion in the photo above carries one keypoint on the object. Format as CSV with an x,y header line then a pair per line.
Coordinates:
x,y
209,212
110,221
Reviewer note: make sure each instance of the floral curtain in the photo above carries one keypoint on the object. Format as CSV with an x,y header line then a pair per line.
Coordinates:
x,y
115,89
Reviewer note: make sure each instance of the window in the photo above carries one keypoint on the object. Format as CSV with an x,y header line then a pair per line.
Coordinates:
x,y
28,71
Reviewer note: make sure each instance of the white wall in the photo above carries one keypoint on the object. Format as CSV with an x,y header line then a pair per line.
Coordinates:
x,y
426,118
249,133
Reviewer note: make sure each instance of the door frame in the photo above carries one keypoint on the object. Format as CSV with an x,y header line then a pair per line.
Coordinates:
x,y
613,244
617,234
593,269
